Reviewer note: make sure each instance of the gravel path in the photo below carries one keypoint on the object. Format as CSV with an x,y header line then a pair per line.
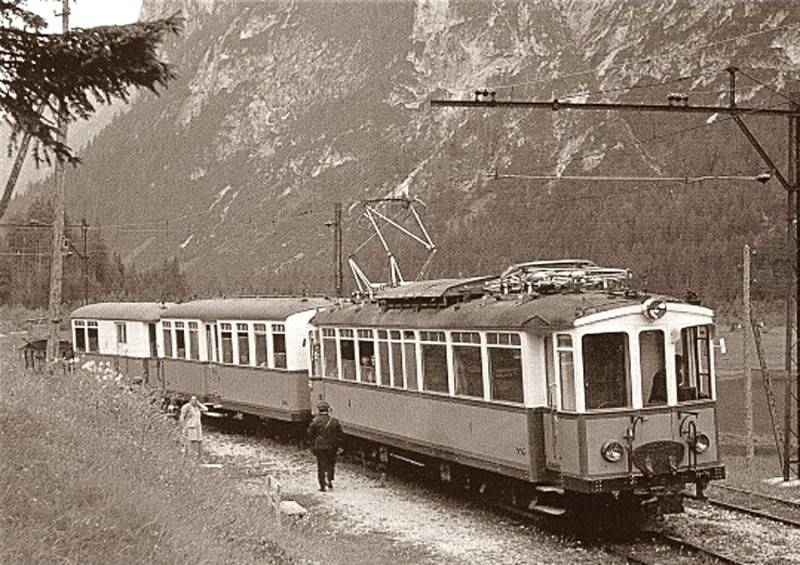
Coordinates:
x,y
362,521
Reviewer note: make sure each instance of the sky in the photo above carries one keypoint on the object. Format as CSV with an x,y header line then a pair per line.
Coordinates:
x,y
87,13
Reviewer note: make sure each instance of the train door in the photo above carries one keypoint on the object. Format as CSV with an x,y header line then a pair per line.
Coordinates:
x,y
552,457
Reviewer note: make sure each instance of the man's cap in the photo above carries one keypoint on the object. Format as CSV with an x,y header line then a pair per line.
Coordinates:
x,y
323,407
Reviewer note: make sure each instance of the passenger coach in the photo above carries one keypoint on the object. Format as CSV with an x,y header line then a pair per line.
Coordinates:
x,y
541,384
249,355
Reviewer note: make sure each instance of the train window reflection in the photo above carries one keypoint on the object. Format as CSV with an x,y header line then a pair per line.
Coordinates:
x,y
605,370
653,367
693,363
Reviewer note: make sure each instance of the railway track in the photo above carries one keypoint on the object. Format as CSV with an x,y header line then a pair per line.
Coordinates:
x,y
656,547
774,509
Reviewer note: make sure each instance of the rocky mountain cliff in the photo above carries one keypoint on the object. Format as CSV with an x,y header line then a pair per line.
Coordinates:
x,y
283,108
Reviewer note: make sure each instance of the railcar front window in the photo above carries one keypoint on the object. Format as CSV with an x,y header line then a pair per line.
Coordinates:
x,y
693,363
653,367
434,361
330,364
605,370
505,366
468,363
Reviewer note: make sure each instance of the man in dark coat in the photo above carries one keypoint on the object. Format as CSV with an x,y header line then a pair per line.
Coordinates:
x,y
325,432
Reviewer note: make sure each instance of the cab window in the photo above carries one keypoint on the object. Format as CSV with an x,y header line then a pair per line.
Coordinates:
x,y
605,370
693,363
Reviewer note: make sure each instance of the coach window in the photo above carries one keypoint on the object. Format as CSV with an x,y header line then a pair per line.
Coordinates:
x,y
260,334
505,366
606,370
348,353
194,342
80,335
122,333
653,367
434,361
279,345
91,331
693,363
167,332
467,363
366,355
330,364
226,342
566,371
383,371
243,340
396,347
211,350
180,341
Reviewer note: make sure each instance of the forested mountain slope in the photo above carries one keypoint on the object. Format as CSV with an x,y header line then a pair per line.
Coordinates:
x,y
284,108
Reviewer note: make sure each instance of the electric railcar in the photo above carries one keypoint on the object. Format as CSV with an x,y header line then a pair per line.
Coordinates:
x,y
545,387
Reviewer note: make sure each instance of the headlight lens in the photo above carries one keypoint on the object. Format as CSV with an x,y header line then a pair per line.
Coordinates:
x,y
701,443
612,451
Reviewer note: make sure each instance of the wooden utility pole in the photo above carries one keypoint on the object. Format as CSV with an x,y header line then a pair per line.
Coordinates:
x,y
747,331
57,263
337,245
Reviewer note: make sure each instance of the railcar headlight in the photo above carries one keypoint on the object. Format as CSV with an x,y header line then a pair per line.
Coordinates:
x,y
700,443
612,451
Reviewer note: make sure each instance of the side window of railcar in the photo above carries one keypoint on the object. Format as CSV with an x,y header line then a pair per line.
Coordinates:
x,y
243,340
505,366
396,345
80,335
366,356
279,345
383,369
566,371
122,333
91,331
194,341
226,339
653,367
167,333
468,363
180,340
410,363
434,361
693,363
348,352
606,370
330,364
260,332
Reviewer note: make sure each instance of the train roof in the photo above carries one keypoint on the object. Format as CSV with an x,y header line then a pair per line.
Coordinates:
x,y
127,311
404,309
262,308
